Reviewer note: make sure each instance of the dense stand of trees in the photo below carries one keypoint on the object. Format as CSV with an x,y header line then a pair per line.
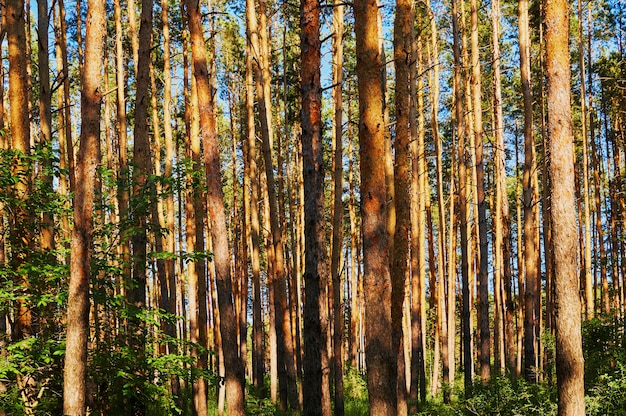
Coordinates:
x,y
235,205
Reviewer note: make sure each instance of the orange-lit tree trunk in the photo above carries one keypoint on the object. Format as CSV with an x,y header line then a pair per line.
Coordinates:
x,y
315,263
75,372
338,212
420,198
45,115
142,197
569,355
235,390
13,14
170,237
403,59
285,349
531,222
379,352
258,344
502,245
484,339
463,202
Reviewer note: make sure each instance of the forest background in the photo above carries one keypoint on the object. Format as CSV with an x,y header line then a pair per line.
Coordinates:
x,y
320,208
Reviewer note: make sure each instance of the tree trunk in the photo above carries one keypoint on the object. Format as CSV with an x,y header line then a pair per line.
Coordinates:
x,y
170,238
66,148
194,232
13,13
531,223
484,350
380,356
142,199
502,238
569,355
338,212
287,372
316,272
75,372
258,344
235,392
45,116
463,202
403,59
420,197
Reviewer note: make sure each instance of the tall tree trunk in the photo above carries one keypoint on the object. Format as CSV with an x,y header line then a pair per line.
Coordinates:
x,y
170,238
403,59
13,13
380,357
484,350
502,238
444,272
215,204
587,266
258,350
463,202
420,197
75,372
66,149
45,115
531,223
122,137
143,193
338,212
316,272
286,367
194,233
569,355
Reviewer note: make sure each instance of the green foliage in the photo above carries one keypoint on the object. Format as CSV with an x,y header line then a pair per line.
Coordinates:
x,y
356,397
503,397
603,348
608,395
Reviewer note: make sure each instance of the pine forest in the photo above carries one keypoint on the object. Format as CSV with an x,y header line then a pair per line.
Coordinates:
x,y
260,207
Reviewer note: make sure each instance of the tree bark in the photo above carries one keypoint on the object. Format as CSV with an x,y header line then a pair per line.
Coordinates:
x,y
531,223
380,356
286,367
170,238
484,350
13,13
258,344
569,355
338,211
45,115
502,238
463,203
316,272
235,392
403,59
75,371
143,193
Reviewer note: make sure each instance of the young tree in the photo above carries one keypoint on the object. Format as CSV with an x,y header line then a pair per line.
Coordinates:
x,y
75,374
379,352
569,355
